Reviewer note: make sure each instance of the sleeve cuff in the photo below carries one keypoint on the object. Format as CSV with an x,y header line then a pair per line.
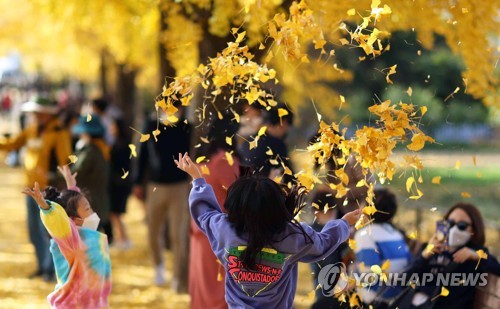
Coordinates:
x,y
47,211
199,182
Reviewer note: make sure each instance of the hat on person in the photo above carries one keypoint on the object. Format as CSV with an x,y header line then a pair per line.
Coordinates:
x,y
40,104
93,127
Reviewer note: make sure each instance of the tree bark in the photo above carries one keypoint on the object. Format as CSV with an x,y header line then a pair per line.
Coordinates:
x,y
126,92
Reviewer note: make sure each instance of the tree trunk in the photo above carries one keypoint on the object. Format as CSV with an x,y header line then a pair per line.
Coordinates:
x,y
126,93
103,71
166,70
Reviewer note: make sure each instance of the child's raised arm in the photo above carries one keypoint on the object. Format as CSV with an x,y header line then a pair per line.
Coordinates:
x,y
184,163
68,177
56,221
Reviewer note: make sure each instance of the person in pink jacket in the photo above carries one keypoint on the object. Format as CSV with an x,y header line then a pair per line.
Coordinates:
x,y
206,274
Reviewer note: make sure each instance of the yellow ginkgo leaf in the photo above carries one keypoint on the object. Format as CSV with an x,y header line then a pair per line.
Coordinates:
x,y
353,301
133,152
205,170
144,138
423,110
73,159
229,158
413,235
125,174
409,182
229,140
436,180
89,117
155,134
240,37
352,244
465,194
269,152
386,265
458,164
369,210
351,12
200,159
482,255
262,131
392,70
282,112
274,162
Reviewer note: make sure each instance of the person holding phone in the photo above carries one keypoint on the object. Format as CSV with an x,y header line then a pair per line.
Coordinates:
x,y
455,249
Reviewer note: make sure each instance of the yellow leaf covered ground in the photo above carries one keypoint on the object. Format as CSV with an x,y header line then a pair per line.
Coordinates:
x,y
131,270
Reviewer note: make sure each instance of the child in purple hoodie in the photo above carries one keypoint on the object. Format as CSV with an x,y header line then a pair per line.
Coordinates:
x,y
258,241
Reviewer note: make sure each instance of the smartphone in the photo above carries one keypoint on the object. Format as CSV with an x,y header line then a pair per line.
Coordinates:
x,y
442,229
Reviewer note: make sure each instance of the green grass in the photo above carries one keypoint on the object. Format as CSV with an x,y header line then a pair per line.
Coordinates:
x,y
482,183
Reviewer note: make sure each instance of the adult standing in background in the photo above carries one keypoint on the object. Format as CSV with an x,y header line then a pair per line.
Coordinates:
x,y
167,194
92,167
206,274
48,145
119,187
271,152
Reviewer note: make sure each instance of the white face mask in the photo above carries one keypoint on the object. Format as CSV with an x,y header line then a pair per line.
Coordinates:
x,y
457,238
91,222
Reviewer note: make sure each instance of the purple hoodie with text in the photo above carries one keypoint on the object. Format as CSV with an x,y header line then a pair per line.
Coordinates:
x,y
274,281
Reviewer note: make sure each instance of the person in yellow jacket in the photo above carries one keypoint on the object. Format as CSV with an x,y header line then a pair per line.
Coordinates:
x,y
48,144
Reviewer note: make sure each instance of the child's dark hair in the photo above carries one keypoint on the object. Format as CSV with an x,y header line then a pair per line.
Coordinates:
x,y
68,199
386,204
260,209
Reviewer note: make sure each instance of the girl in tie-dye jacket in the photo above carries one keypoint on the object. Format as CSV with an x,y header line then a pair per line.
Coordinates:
x,y
80,253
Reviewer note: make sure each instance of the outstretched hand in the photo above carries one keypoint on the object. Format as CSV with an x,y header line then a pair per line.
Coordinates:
x,y
184,163
353,216
37,196
68,177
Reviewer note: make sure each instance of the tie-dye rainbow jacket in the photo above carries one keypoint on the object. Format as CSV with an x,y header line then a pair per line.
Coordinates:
x,y
81,259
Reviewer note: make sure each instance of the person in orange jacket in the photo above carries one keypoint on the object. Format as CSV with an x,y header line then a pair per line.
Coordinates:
x,y
48,144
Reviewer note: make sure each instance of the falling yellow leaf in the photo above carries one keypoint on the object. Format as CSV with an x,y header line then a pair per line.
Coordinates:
x,y
344,41
282,112
269,151
261,46
465,194
353,301
262,131
423,110
436,180
413,235
369,210
274,162
133,152
433,209
418,141
352,244
429,248
200,159
240,37
144,138
482,255
418,196
409,182
229,158
155,134
125,174
205,170
444,291
409,91
73,159
458,164
392,70
351,12
229,140
89,117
